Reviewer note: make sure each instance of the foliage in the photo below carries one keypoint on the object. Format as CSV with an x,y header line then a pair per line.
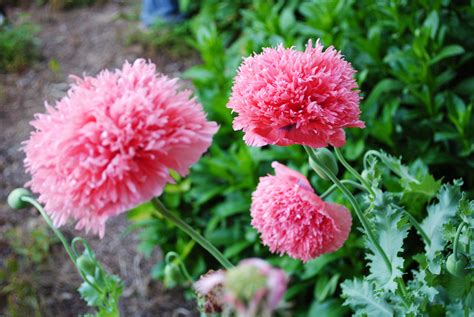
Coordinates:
x,y
20,268
384,290
413,63
164,37
19,46
69,4
100,289
411,59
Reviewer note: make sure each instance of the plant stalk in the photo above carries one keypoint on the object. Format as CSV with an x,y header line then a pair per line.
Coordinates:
x,y
162,210
343,161
72,254
354,204
334,186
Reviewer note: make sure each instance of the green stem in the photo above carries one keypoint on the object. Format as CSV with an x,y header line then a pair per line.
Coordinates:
x,y
179,261
334,186
383,160
417,226
354,204
48,220
403,291
362,180
456,240
72,254
160,208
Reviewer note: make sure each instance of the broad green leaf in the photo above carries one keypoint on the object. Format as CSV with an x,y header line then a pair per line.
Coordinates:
x,y
438,216
360,295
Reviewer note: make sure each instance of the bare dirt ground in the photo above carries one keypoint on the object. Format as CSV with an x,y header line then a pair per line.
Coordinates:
x,y
79,41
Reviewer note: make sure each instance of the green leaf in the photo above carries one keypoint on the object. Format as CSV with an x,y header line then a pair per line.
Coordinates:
x,y
390,232
329,308
396,166
361,297
438,216
370,106
287,19
448,51
431,23
422,293
89,294
416,195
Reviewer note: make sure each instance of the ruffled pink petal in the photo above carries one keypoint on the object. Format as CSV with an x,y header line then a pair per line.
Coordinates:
x,y
284,96
293,220
109,144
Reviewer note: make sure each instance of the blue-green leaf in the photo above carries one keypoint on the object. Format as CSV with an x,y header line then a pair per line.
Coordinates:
x,y
438,216
361,296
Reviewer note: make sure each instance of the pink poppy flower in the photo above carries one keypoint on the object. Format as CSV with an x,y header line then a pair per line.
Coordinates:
x,y
292,219
109,144
253,288
284,96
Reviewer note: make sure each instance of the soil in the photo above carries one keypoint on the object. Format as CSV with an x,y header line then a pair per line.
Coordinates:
x,y
78,41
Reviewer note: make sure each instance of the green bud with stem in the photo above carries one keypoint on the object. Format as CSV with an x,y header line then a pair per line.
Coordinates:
x,y
326,158
15,198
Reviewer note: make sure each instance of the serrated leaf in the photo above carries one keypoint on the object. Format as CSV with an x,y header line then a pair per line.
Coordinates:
x,y
438,216
89,294
396,166
416,195
390,233
361,297
421,292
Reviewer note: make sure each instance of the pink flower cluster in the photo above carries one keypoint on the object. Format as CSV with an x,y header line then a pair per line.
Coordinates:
x,y
292,219
110,143
284,96
253,288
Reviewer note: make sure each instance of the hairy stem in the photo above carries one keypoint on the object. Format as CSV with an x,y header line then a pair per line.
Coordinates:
x,y
162,210
362,180
417,226
456,240
334,186
72,254
355,205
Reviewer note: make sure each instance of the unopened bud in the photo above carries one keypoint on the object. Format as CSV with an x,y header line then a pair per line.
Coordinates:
x,y
14,199
457,266
326,158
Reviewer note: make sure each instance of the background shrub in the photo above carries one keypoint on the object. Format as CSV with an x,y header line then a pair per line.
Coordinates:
x,y
19,46
414,61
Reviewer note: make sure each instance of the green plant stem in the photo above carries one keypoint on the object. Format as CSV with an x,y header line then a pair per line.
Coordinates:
x,y
354,204
383,160
403,291
456,239
343,161
162,210
72,254
180,263
334,186
417,226
48,220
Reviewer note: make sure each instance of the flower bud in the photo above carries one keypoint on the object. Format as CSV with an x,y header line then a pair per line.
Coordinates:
x,y
173,275
326,158
245,281
457,267
14,199
210,297
85,264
